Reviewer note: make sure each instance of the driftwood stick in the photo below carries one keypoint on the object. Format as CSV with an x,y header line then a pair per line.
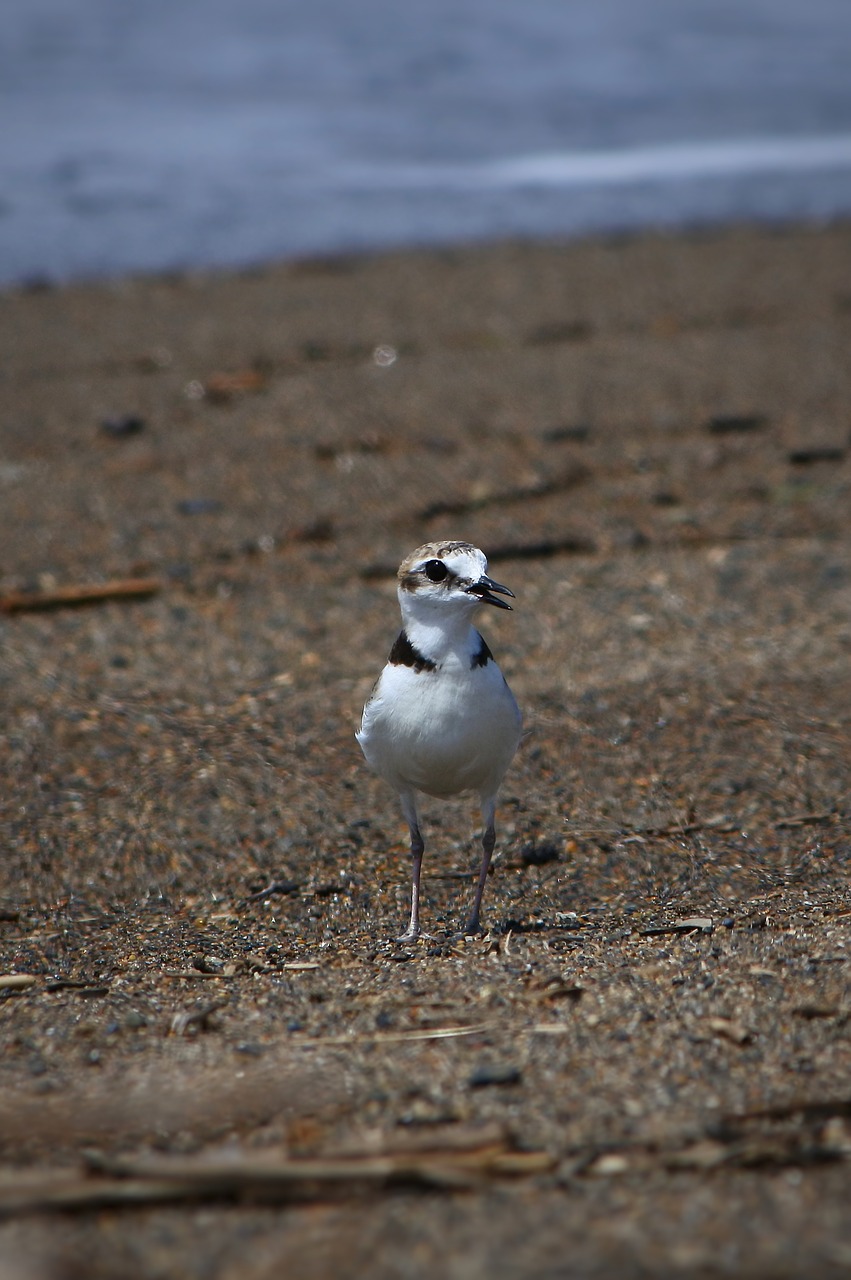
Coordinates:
x,y
73,596
128,1182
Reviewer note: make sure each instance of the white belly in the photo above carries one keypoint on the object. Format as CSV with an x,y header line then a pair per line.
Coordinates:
x,y
441,733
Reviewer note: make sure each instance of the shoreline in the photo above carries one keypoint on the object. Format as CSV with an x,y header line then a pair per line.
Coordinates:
x,y
355,256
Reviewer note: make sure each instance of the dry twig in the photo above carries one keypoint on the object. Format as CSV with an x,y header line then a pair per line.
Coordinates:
x,y
126,1183
79,594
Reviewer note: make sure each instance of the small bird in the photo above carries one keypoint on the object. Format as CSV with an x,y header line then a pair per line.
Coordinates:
x,y
441,718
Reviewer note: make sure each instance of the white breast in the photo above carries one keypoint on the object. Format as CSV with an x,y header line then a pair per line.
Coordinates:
x,y
441,732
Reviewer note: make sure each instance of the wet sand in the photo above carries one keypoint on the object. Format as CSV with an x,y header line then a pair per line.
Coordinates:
x,y
646,1057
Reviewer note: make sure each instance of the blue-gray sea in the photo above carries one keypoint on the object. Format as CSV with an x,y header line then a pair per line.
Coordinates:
x,y
171,134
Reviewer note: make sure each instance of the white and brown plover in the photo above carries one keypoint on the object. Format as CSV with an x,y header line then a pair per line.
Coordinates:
x,y
441,718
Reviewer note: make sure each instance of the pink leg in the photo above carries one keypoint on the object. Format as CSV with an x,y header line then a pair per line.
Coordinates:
x,y
417,849
488,842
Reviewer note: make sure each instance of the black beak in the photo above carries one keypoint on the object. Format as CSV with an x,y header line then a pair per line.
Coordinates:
x,y
484,589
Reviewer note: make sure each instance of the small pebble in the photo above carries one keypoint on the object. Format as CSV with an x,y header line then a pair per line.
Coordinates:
x,y
124,424
577,433
198,506
537,855
806,456
486,1076
728,423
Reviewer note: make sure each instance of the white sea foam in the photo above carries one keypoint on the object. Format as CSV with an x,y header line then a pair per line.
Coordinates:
x,y
725,158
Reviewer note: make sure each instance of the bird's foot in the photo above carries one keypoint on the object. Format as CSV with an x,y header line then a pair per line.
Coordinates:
x,y
411,935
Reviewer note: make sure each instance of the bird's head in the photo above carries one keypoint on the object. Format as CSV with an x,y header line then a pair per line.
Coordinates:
x,y
448,577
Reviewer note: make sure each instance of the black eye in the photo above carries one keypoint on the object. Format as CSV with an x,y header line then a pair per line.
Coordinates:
x,y
435,570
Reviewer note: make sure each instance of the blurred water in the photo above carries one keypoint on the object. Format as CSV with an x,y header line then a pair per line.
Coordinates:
x,y
219,132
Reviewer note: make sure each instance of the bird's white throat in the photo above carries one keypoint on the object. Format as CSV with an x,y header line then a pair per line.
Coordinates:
x,y
440,631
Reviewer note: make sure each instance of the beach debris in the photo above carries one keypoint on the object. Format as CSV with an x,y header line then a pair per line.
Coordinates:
x,y
805,819
121,425
575,433
724,424
282,887
445,1162
689,924
558,988
538,855
478,498
191,1021
730,1029
221,387
811,1012
74,596
385,356
807,455
490,1074
608,1165
199,506
17,981
80,986
196,973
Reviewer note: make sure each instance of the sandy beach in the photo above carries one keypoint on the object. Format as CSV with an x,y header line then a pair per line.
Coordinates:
x,y
217,1061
